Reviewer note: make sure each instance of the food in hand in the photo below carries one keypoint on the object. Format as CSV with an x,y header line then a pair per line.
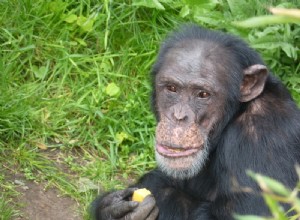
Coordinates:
x,y
140,194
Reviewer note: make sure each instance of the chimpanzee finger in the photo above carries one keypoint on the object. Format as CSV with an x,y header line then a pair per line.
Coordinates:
x,y
154,213
144,208
126,193
122,208
117,196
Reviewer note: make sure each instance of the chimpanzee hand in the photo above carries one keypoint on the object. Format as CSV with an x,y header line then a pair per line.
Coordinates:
x,y
116,206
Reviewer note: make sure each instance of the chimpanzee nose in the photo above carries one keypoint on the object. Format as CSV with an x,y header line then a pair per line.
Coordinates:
x,y
180,113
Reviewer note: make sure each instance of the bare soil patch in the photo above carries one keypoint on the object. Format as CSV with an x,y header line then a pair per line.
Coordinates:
x,y
37,203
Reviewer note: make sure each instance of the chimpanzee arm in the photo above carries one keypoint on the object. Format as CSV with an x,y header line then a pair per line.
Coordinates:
x,y
172,200
225,207
167,201
175,200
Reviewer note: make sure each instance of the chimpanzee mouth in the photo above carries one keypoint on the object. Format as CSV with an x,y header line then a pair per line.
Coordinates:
x,y
168,151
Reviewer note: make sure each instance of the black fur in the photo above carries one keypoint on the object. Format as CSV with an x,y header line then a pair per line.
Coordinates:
x,y
262,135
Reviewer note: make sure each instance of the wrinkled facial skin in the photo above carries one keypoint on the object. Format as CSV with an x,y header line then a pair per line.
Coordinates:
x,y
190,101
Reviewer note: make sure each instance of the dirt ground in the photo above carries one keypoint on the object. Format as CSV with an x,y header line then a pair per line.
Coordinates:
x,y
37,202
40,204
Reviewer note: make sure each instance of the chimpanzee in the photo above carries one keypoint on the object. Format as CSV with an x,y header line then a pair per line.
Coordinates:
x,y
220,112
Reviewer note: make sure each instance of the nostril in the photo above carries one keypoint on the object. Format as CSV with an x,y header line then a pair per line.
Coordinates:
x,y
180,116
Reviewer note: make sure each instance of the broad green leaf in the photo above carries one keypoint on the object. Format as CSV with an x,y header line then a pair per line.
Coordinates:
x,y
293,13
275,208
265,20
81,42
57,6
185,11
149,4
214,18
237,8
201,2
122,136
290,50
112,89
269,185
249,217
70,18
268,45
85,23
41,72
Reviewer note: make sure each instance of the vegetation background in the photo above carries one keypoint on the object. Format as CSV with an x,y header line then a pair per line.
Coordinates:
x,y
74,84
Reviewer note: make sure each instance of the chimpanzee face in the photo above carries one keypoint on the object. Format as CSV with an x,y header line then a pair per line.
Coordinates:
x,y
190,99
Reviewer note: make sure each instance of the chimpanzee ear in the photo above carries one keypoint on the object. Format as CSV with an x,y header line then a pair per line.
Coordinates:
x,y
253,83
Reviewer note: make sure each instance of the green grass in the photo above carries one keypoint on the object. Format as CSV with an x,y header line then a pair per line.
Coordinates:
x,y
74,78
8,209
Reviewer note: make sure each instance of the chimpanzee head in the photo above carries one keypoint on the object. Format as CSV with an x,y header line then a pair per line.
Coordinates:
x,y
200,81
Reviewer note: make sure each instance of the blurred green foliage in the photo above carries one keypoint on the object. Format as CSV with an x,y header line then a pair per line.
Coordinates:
x,y
275,195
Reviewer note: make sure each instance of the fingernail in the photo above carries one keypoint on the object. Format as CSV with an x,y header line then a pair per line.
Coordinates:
x,y
134,204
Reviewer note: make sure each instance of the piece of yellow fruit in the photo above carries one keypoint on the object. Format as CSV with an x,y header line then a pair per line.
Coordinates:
x,y
140,194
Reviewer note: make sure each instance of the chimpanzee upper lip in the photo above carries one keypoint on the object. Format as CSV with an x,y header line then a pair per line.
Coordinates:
x,y
169,151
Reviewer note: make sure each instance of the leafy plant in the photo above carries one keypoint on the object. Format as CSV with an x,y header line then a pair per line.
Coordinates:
x,y
281,16
275,194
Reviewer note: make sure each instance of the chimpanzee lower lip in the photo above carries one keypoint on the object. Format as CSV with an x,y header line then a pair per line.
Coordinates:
x,y
176,152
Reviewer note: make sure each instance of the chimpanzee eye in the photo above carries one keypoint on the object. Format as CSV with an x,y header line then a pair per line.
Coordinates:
x,y
171,88
203,94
